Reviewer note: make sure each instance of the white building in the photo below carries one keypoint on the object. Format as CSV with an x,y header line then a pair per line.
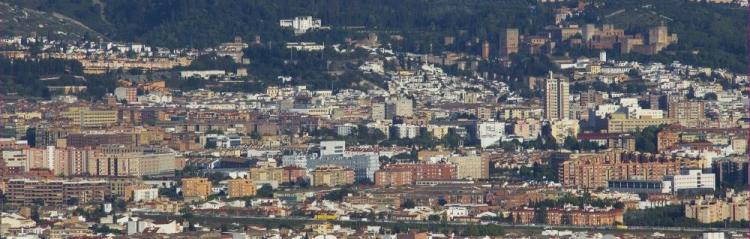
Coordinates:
x,y
332,147
301,24
691,180
403,131
202,74
305,46
145,195
345,129
452,212
490,132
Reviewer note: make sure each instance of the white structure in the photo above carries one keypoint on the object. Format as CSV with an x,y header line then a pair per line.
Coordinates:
x,y
452,212
145,195
345,129
713,235
301,24
404,131
332,147
202,74
692,179
490,132
305,46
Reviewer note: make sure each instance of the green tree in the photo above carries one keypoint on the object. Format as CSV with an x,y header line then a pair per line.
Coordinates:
x,y
265,191
408,204
646,140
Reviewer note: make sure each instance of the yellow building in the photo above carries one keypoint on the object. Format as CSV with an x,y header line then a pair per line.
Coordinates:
x,y
240,188
86,117
266,174
438,131
619,124
332,175
196,187
561,129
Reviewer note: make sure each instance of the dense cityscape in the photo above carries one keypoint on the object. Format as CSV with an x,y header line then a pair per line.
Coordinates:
x,y
570,119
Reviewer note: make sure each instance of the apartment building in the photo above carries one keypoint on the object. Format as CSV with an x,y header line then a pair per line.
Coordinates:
x,y
240,188
425,171
196,187
85,117
594,170
393,177
332,175
55,192
471,167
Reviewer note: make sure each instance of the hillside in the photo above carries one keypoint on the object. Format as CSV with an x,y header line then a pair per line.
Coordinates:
x,y
709,34
15,20
423,23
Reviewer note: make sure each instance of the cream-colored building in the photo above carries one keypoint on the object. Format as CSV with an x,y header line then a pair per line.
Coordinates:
x,y
562,129
86,117
715,210
475,167
619,123
556,99
528,129
265,174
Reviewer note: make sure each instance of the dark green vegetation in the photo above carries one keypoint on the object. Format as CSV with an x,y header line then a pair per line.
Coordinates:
x,y
710,35
717,32
671,216
203,23
23,21
580,201
646,140
23,76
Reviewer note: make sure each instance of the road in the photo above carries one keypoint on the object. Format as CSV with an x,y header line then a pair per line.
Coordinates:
x,y
213,218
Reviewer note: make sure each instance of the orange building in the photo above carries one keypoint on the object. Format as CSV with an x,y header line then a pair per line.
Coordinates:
x,y
424,171
593,170
393,177
293,174
332,175
196,187
666,139
576,217
240,188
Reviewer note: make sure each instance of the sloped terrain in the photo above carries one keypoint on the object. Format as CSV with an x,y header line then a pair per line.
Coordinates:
x,y
21,21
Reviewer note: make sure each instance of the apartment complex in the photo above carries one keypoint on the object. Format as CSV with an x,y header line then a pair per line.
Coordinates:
x,y
594,170
196,187
55,192
574,216
266,174
393,177
687,113
332,175
471,167
425,171
712,210
85,117
240,188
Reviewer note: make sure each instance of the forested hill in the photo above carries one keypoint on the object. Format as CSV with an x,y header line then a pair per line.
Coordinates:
x,y
717,32
201,23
